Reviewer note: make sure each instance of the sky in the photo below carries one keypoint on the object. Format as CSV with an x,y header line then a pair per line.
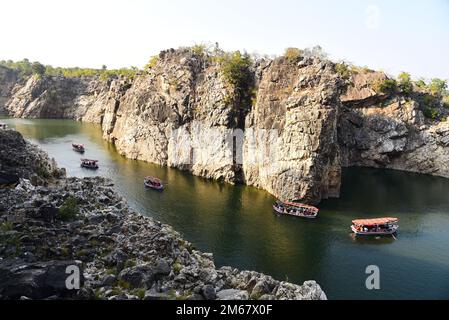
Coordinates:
x,y
389,35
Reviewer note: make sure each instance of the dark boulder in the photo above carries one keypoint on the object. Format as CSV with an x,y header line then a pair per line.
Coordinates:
x,y
8,180
137,277
161,269
36,280
208,292
47,213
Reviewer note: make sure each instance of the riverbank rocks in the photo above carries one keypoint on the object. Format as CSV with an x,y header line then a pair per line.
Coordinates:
x,y
19,157
120,254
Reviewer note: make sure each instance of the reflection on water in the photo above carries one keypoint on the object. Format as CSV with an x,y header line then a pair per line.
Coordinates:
x,y
237,224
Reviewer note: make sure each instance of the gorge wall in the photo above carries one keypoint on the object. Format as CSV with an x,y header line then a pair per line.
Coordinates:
x,y
390,131
292,140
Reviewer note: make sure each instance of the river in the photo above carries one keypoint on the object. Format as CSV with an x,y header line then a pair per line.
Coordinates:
x,y
237,224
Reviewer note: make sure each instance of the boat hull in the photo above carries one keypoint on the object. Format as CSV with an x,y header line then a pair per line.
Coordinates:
x,y
89,167
279,211
375,233
78,148
158,188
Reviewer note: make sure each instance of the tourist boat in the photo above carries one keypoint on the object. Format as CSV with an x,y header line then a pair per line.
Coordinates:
x,y
375,227
89,164
296,209
78,147
153,183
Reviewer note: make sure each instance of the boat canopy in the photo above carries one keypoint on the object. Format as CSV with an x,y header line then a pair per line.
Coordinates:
x,y
374,222
88,160
300,205
153,179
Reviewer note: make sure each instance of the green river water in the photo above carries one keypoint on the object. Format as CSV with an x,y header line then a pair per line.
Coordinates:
x,y
237,224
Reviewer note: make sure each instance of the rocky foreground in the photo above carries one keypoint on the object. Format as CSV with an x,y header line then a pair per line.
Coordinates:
x,y
50,224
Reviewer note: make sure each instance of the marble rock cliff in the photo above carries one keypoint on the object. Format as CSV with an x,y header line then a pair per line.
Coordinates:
x,y
292,139
390,131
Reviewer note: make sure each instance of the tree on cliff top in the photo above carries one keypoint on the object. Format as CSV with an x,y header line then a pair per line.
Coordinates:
x,y
236,70
38,68
234,67
438,86
292,54
404,83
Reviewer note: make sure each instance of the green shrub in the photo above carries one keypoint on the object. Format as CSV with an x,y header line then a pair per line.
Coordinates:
x,y
199,49
152,63
177,267
6,226
431,113
69,209
437,86
428,101
343,70
421,84
38,68
124,284
235,68
42,172
387,86
130,264
140,293
111,271
116,291
292,54
404,83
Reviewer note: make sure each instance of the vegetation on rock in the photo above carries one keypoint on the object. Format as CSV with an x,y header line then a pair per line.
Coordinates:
x,y
343,69
387,86
292,54
26,69
405,84
69,209
151,63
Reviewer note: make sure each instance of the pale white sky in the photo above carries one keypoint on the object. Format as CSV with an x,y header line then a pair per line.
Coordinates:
x,y
393,35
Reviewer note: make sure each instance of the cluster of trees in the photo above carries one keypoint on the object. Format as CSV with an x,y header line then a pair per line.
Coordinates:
x,y
431,95
405,85
26,68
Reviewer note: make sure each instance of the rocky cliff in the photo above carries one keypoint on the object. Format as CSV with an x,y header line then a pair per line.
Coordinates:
x,y
55,223
390,130
19,157
292,139
8,79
